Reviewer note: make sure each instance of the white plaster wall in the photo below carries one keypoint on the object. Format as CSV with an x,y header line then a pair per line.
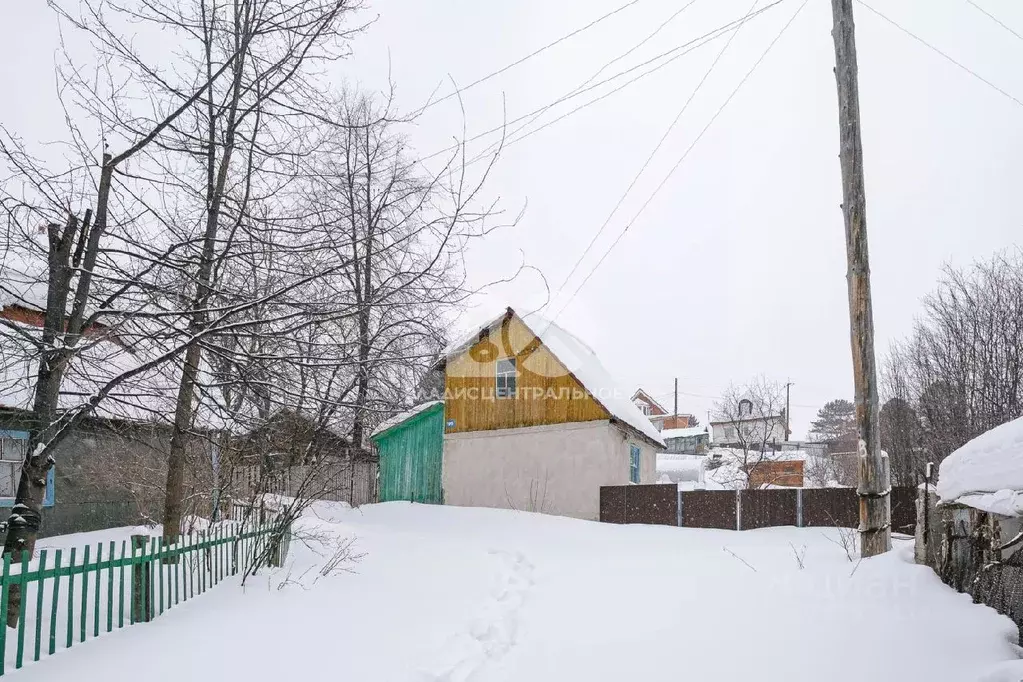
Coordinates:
x,y
754,431
555,469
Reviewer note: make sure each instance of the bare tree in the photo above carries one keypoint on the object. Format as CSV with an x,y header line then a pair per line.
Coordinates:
x,y
961,372
754,422
77,253
243,134
401,230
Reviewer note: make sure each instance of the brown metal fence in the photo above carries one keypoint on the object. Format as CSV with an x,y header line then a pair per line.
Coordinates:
x,y
747,509
766,508
708,509
831,507
651,504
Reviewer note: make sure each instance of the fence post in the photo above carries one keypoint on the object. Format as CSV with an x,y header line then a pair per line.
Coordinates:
x,y
273,554
799,507
679,508
141,604
738,509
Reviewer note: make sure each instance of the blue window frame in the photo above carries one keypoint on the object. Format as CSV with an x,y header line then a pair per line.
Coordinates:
x,y
634,463
13,448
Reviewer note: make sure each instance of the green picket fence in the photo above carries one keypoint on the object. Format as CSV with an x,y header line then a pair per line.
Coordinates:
x,y
69,596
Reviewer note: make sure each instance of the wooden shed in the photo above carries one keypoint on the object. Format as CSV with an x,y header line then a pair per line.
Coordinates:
x,y
411,451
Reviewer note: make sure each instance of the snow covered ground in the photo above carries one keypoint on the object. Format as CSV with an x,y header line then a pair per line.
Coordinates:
x,y
449,594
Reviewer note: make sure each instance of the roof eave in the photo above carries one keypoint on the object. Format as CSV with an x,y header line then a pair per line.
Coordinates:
x,y
626,426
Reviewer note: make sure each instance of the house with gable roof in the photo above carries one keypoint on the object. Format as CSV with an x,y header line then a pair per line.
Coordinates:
x,y
533,421
658,414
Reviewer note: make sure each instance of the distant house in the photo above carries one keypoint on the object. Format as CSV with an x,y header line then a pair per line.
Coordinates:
x,y
533,421
733,468
288,438
786,472
749,430
652,409
658,414
110,470
691,441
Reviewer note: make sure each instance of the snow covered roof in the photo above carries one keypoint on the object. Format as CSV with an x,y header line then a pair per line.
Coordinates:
x,y
667,434
148,396
140,398
640,394
22,283
990,463
579,359
404,417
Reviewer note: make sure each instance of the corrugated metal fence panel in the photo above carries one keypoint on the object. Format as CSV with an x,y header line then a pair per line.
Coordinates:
x,y
764,508
708,509
831,507
650,504
768,508
612,503
411,459
655,504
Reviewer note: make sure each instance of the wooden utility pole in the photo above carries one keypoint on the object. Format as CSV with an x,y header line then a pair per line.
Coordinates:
x,y
675,422
874,487
788,385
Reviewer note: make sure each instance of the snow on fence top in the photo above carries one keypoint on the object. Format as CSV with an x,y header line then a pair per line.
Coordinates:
x,y
404,416
991,462
579,359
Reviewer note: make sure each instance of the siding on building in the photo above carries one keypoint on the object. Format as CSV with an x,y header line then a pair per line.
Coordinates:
x,y
783,473
553,469
411,455
546,392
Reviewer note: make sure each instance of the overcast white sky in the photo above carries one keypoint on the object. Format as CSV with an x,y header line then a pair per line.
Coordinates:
x,y
737,266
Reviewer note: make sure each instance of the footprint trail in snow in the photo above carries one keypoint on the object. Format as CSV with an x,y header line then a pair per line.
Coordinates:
x,y
494,631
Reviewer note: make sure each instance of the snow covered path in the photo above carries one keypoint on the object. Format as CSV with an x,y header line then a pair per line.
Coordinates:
x,y
473,595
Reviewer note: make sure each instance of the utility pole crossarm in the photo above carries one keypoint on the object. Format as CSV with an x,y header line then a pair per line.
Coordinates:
x,y
873,489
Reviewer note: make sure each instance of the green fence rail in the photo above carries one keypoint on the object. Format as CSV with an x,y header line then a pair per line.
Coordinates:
x,y
70,596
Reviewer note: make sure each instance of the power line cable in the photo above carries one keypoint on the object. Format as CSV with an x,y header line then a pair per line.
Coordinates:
x,y
668,56
653,153
527,57
943,54
505,144
718,397
683,157
993,18
620,57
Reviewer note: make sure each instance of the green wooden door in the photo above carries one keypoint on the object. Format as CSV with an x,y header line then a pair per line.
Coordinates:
x,y
411,454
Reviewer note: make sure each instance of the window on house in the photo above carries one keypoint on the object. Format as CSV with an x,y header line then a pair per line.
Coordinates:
x,y
634,463
729,432
12,455
507,377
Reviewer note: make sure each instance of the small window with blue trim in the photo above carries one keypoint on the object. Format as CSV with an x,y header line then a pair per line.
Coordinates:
x,y
634,463
13,449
